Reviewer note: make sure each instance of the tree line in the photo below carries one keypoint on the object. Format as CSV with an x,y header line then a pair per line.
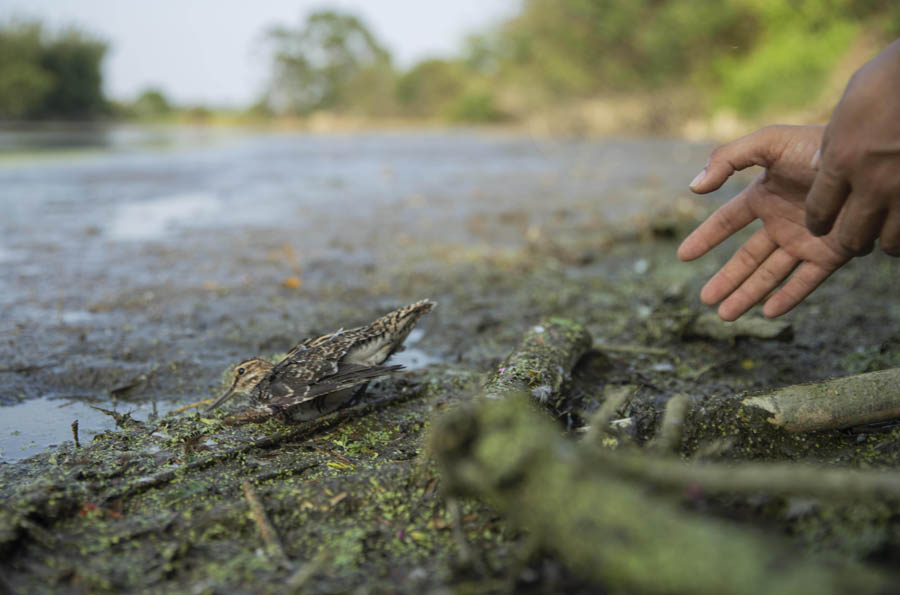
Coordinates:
x,y
45,76
744,55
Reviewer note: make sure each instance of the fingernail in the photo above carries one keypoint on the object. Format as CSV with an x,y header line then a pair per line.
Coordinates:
x,y
816,158
698,178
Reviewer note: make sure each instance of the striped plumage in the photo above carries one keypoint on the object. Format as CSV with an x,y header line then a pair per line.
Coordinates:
x,y
321,374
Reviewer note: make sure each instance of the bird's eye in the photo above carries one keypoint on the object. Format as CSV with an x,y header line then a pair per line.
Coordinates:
x,y
241,371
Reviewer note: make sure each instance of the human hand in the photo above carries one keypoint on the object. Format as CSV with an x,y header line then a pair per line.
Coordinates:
x,y
783,244
859,161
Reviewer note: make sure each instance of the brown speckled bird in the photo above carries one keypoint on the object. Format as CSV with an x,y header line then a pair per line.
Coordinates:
x,y
320,375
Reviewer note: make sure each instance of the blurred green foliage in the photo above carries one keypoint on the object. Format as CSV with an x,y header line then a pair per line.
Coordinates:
x,y
45,75
745,55
748,56
151,104
331,62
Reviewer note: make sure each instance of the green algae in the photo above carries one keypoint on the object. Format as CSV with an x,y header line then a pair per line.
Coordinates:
x,y
158,505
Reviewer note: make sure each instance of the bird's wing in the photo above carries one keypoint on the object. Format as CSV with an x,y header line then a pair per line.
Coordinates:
x,y
313,353
284,395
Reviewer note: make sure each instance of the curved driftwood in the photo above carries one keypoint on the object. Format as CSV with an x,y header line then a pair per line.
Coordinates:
x,y
608,528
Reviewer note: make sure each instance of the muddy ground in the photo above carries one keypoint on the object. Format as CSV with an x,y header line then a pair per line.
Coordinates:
x,y
356,500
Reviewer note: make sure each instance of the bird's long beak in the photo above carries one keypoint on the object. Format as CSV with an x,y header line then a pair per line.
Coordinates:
x,y
222,399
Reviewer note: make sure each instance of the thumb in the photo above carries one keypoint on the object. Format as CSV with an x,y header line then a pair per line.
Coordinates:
x,y
758,148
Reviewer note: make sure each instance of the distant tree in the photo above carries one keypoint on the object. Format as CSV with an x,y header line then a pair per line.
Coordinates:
x,y
430,86
151,103
49,76
24,83
332,62
75,60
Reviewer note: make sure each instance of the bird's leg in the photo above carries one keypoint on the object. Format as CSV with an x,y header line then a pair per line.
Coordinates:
x,y
358,394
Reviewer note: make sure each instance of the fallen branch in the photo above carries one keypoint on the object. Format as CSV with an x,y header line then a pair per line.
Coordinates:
x,y
783,479
839,403
609,528
668,439
542,362
710,326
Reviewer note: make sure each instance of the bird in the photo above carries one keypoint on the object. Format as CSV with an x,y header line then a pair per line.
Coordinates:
x,y
321,374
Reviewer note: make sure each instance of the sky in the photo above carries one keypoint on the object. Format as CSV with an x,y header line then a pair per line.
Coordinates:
x,y
210,51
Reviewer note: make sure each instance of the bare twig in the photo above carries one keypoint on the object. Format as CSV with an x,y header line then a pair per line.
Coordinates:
x,y
636,349
26,368
208,401
670,430
303,574
266,530
123,420
616,399
785,479
466,558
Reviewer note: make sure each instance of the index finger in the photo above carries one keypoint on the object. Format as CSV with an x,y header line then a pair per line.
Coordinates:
x,y
727,220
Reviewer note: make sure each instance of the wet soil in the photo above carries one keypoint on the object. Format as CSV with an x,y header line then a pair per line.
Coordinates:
x,y
136,279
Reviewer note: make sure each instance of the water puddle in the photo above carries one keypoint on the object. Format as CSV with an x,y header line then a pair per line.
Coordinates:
x,y
33,426
411,357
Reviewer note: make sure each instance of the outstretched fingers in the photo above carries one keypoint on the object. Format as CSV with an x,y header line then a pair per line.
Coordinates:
x,y
758,148
767,276
738,269
803,282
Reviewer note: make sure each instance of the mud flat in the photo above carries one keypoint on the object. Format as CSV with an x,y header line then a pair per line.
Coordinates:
x,y
181,501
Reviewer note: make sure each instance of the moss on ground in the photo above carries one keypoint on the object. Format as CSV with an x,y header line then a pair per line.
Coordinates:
x,y
158,505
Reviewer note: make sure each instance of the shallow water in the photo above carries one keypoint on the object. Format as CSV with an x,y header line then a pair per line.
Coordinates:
x,y
37,424
159,254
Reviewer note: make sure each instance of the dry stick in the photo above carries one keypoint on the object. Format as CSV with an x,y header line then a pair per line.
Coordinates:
x,y
303,574
208,401
75,433
266,530
27,368
465,555
615,400
669,437
786,479
635,349
839,403
542,362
